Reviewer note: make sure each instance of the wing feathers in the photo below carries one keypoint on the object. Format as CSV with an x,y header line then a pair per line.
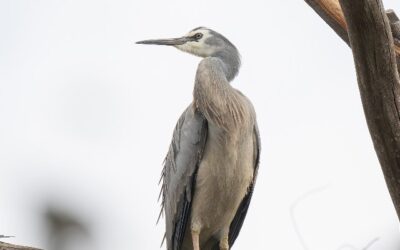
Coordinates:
x,y
179,173
238,220
179,177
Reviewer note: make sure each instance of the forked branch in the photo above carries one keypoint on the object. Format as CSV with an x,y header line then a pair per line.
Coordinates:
x,y
374,37
331,12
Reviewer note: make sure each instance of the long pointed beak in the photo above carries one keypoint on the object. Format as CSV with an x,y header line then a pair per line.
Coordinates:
x,y
170,42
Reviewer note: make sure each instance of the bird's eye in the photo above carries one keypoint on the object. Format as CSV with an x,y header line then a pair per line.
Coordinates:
x,y
197,36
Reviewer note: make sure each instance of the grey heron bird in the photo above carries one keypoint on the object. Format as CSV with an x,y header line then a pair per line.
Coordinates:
x,y
211,166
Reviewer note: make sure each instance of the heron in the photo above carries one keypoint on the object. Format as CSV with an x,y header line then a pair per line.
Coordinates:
x,y
211,166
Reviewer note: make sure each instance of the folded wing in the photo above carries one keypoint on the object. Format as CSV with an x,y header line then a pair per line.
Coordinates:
x,y
179,174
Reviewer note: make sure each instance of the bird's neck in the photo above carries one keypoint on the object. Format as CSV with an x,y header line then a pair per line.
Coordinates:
x,y
213,95
231,62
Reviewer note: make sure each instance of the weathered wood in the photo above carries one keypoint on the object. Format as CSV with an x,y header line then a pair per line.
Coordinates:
x,y
6,246
378,78
375,41
392,15
331,12
395,27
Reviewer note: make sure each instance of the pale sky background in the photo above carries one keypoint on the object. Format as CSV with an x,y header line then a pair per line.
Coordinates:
x,y
86,117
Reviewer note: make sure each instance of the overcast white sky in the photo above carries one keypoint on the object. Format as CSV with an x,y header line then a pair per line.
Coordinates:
x,y
86,117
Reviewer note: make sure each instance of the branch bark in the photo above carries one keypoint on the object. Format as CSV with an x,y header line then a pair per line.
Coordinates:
x,y
6,246
395,27
374,40
375,60
331,12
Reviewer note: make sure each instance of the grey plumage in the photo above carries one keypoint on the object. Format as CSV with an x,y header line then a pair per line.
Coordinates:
x,y
211,166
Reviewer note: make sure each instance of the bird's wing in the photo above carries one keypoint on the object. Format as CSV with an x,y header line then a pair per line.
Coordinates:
x,y
240,215
179,173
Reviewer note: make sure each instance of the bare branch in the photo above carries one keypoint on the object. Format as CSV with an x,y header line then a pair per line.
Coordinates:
x,y
378,79
374,38
6,246
370,244
331,12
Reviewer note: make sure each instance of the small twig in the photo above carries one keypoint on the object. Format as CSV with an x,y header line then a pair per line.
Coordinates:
x,y
355,248
296,226
370,243
293,217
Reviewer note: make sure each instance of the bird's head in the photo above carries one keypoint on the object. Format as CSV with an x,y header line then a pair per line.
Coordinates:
x,y
200,41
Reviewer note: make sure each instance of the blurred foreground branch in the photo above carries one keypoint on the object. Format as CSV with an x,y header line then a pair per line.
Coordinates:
x,y
6,246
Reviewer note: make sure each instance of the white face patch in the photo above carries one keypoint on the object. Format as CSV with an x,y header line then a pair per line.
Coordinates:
x,y
198,48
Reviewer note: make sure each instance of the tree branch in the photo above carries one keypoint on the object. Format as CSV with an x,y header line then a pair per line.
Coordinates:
x,y
374,37
6,246
378,79
395,27
331,12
